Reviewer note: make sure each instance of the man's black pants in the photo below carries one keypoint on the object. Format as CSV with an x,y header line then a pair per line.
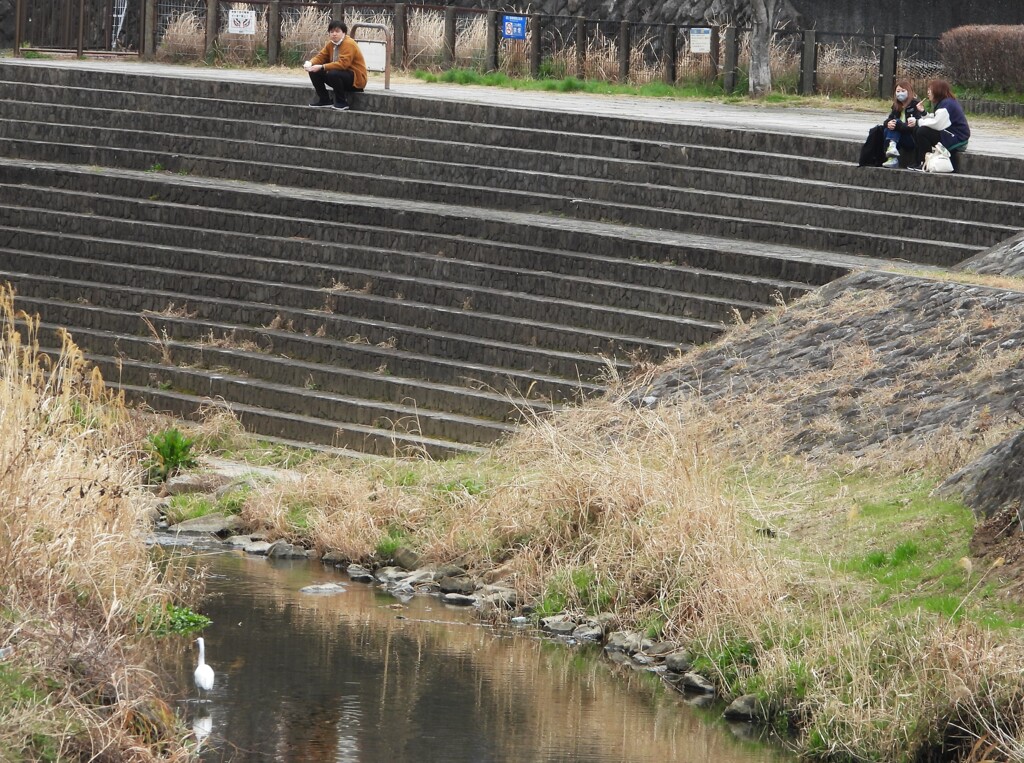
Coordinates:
x,y
340,81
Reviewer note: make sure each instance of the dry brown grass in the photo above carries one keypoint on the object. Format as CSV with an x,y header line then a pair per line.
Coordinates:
x,y
184,39
471,42
303,34
75,571
424,39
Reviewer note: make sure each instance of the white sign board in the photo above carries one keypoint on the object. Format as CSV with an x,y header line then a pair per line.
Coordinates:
x,y
376,54
700,40
241,22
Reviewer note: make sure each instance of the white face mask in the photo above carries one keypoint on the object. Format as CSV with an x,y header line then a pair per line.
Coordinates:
x,y
901,97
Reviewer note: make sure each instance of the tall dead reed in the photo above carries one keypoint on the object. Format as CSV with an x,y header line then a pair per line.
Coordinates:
x,y
75,574
183,40
303,34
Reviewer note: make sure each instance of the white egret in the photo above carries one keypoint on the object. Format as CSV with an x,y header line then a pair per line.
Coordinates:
x,y
204,673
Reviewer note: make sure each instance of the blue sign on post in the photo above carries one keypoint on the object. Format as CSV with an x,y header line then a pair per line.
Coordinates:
x,y
513,27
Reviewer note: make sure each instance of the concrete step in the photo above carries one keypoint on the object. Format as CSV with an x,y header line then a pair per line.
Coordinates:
x,y
707,168
801,232
630,283
390,272
378,386
229,385
503,316
522,389
734,194
251,101
297,427
410,227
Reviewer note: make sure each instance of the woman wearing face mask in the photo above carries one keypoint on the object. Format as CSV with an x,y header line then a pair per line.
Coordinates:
x,y
899,125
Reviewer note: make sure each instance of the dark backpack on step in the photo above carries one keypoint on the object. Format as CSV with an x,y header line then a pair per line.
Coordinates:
x,y
872,153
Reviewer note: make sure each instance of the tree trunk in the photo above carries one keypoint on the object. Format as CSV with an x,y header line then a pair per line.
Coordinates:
x,y
763,14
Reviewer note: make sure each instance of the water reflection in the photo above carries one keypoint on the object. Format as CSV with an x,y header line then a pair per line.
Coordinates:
x,y
357,676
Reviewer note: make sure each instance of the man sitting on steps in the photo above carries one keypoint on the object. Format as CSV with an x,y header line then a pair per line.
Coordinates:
x,y
340,65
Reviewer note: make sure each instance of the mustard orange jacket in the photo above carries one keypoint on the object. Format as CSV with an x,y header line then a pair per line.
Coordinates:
x,y
348,56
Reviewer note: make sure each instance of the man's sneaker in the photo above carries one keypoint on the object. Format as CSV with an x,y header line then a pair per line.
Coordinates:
x,y
891,162
318,103
892,150
341,105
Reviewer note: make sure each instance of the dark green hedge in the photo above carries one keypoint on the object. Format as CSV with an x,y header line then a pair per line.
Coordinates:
x,y
987,57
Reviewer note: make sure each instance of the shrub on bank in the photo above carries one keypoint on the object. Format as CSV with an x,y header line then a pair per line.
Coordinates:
x,y
985,56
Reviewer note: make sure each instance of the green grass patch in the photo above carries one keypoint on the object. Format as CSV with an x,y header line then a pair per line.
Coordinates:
x,y
581,587
188,506
297,517
470,485
570,84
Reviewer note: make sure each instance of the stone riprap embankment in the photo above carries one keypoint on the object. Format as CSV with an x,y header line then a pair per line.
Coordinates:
x,y
869,360
1005,259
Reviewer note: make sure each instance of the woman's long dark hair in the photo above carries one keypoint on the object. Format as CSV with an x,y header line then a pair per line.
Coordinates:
x,y
940,91
906,85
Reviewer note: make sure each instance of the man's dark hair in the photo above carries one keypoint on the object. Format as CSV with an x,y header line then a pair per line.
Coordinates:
x,y
335,24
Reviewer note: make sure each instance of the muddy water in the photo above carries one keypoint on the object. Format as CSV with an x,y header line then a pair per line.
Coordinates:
x,y
360,676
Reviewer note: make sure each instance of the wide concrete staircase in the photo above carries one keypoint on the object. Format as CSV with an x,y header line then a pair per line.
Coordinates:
x,y
415,275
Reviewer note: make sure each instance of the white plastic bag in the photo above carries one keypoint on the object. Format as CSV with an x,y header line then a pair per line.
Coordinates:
x,y
938,160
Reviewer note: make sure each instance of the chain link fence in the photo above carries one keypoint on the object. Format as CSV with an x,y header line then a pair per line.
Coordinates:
x,y
919,59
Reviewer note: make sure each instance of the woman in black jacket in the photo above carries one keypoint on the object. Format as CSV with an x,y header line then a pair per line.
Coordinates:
x,y
899,125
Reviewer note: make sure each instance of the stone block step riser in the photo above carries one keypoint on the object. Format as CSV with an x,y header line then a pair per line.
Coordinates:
x,y
297,428
379,388
249,211
575,154
544,247
250,101
409,301
357,356
298,400
384,272
483,264
681,209
823,239
694,167
147,298
247,101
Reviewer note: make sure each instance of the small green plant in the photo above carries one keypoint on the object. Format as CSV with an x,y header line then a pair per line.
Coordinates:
x,y
654,626
174,620
169,452
467,485
156,167
390,543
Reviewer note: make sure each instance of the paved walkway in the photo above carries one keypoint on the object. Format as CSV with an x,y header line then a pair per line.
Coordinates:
x,y
996,137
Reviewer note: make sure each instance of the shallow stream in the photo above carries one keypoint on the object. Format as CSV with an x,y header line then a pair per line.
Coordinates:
x,y
361,676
